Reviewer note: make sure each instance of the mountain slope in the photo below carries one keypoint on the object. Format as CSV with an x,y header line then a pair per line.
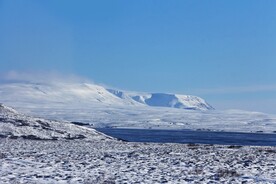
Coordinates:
x,y
31,94
177,101
16,125
164,100
57,94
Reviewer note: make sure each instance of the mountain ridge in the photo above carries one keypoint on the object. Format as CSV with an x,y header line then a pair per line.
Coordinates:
x,y
93,94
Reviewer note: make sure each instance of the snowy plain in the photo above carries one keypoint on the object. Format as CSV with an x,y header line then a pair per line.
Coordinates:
x,y
56,153
108,161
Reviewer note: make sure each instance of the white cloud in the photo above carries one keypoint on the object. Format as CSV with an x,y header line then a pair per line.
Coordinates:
x,y
41,77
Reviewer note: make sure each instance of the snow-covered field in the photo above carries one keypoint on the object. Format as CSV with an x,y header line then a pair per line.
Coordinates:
x,y
94,104
110,161
35,150
162,118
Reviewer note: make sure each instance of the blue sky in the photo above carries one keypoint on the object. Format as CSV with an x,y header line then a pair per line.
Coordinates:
x,y
223,51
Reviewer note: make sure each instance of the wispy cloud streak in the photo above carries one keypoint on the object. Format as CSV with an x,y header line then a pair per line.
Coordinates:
x,y
41,77
238,89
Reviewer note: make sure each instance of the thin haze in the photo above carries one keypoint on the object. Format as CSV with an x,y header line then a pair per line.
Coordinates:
x,y
42,77
223,51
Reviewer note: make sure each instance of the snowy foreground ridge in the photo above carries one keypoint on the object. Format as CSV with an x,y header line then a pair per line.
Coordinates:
x,y
67,157
15,125
101,107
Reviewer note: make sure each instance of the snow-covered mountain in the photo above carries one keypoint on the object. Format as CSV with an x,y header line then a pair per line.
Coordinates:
x,y
16,125
85,94
164,100
101,107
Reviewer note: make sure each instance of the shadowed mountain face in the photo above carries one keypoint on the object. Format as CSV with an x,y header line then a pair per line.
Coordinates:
x,y
84,94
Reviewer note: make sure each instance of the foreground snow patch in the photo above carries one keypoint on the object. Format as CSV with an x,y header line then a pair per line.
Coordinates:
x,y
110,161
